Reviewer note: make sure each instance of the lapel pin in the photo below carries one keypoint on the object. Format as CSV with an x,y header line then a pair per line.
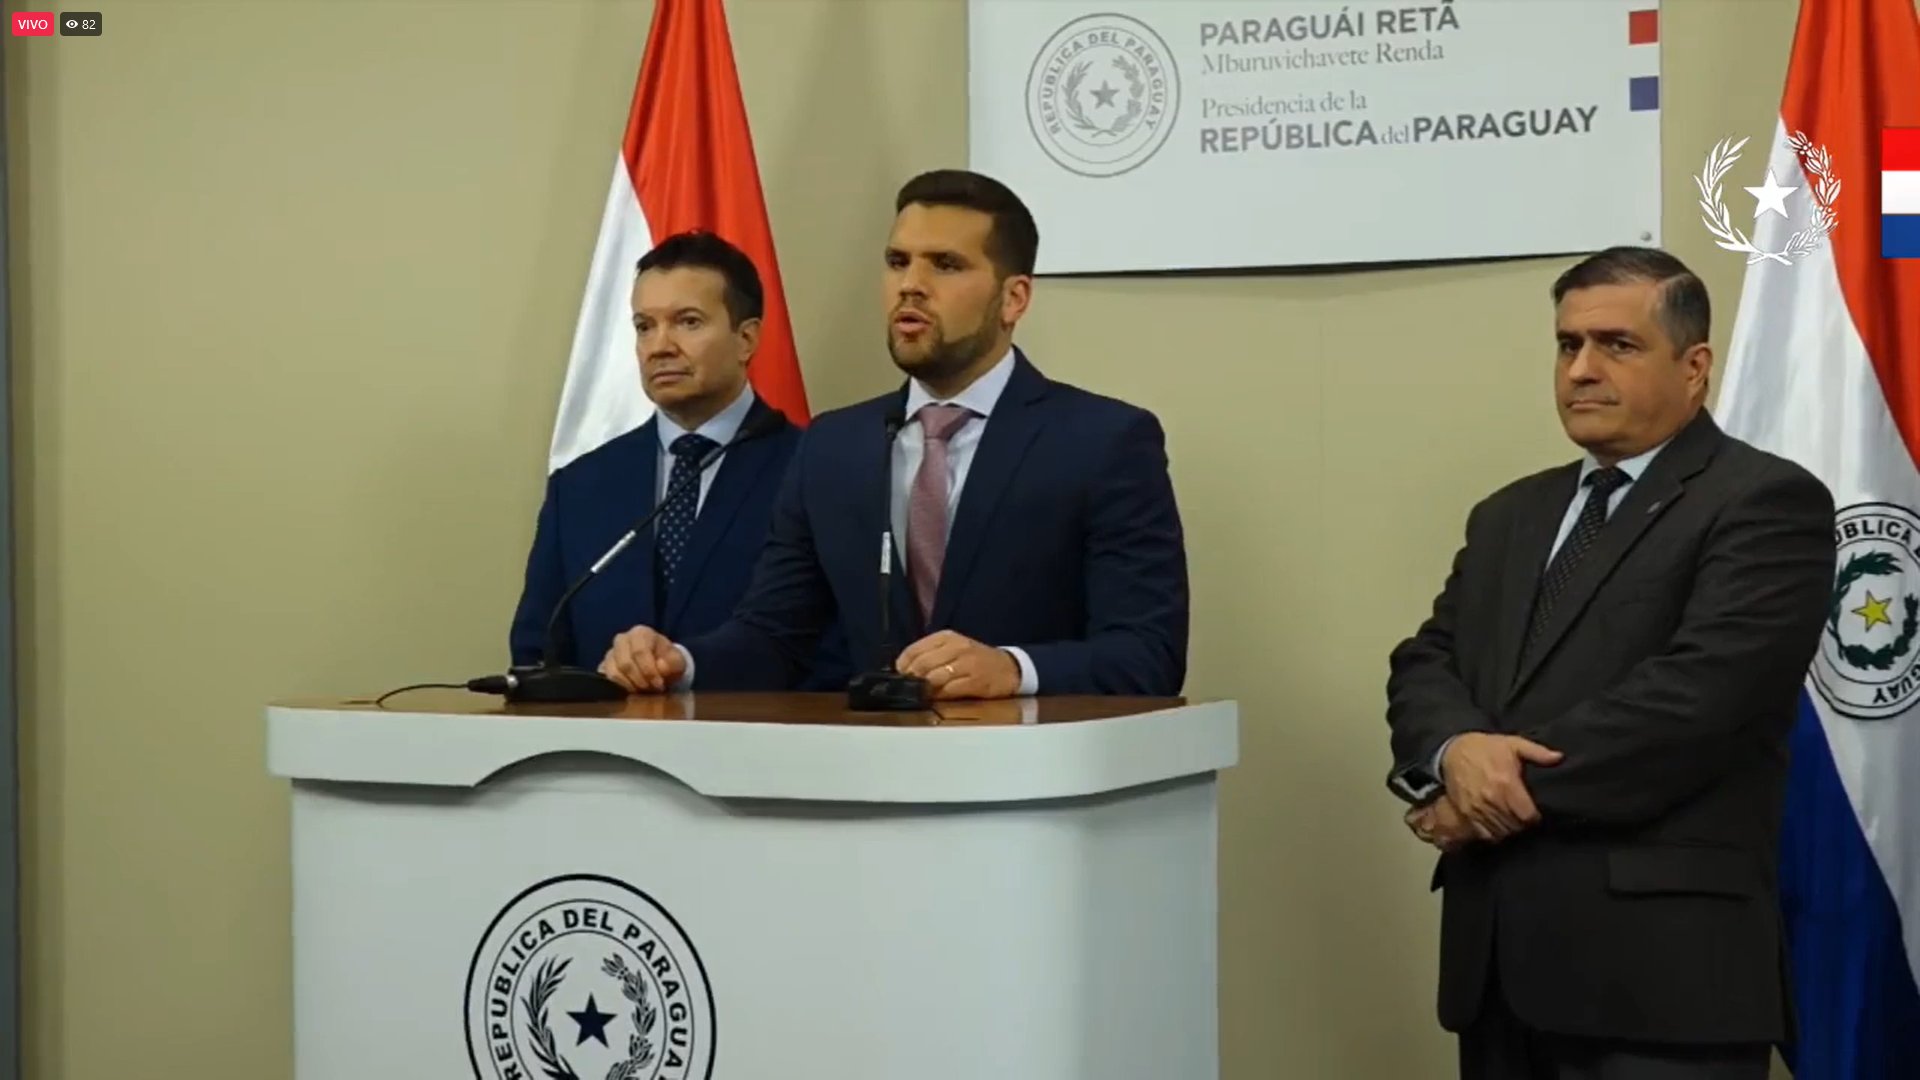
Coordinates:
x,y
1654,508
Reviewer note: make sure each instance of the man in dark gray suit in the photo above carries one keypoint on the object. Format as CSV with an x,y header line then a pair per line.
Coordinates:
x,y
1592,725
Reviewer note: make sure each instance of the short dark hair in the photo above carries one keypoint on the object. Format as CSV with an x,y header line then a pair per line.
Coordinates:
x,y
1685,312
1014,240
705,250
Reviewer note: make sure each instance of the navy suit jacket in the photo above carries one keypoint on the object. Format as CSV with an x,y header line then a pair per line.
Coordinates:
x,y
1066,542
593,500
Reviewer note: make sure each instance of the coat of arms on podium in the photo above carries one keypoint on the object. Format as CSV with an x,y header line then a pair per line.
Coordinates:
x,y
585,977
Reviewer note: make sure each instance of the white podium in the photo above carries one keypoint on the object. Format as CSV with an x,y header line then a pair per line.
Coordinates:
x,y
754,887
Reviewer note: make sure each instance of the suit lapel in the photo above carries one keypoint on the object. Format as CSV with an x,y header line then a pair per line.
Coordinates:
x,y
903,612
872,476
1532,540
733,479
1016,420
646,480
1647,500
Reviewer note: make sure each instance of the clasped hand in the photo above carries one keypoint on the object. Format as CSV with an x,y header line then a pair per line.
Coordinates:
x,y
956,666
643,661
1441,824
1487,797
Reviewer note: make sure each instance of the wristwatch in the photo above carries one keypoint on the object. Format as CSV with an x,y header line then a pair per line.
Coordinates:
x,y
1415,784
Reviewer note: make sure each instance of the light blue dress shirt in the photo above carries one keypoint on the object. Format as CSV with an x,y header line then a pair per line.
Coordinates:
x,y
1634,467
721,429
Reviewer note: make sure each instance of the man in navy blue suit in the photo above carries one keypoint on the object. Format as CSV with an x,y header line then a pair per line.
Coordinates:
x,y
697,306
1037,545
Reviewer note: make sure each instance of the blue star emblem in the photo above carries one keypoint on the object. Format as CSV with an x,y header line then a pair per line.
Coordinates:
x,y
593,1022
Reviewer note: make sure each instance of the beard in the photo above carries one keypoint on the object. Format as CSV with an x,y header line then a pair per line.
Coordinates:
x,y
943,358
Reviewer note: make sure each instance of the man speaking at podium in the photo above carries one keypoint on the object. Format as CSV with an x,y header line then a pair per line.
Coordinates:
x,y
697,306
1036,546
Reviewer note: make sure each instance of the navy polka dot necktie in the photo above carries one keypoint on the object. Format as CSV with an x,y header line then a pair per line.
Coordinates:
x,y
676,518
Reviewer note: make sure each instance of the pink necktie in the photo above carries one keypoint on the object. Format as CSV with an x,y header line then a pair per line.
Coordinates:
x,y
927,503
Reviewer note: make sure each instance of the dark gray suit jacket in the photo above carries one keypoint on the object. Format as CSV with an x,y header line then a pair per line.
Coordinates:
x,y
1643,907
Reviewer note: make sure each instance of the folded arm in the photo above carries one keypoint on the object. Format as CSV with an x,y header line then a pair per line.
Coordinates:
x,y
1681,718
1427,701
1136,581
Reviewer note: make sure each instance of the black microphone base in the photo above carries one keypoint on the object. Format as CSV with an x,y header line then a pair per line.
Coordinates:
x,y
559,685
888,691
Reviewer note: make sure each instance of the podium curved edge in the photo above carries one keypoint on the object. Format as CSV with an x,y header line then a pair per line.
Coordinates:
x,y
747,761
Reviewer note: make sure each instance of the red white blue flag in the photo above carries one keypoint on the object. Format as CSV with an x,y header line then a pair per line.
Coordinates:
x,y
1900,192
685,162
1824,368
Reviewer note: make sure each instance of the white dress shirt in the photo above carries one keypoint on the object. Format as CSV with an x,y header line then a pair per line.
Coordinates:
x,y
721,429
910,449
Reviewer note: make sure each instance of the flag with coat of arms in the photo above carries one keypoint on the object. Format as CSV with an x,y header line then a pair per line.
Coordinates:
x,y
1824,368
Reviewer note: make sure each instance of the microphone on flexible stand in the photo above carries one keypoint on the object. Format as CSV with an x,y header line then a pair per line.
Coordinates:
x,y
551,681
885,689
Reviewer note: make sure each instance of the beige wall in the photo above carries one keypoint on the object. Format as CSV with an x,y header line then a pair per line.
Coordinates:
x,y
294,283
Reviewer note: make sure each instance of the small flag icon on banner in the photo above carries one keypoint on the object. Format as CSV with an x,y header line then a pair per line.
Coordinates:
x,y
1643,91
1900,193
1643,27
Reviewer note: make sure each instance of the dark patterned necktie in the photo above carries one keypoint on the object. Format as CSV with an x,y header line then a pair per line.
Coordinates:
x,y
676,518
1601,485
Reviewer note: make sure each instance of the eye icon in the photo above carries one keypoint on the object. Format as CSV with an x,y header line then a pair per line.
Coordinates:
x,y
80,24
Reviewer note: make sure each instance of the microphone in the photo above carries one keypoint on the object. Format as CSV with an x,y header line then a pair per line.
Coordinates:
x,y
884,689
551,681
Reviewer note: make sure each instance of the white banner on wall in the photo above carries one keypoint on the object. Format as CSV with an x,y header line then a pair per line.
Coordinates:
x,y
1196,134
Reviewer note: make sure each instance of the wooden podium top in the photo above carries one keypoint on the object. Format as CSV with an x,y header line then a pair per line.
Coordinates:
x,y
773,708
